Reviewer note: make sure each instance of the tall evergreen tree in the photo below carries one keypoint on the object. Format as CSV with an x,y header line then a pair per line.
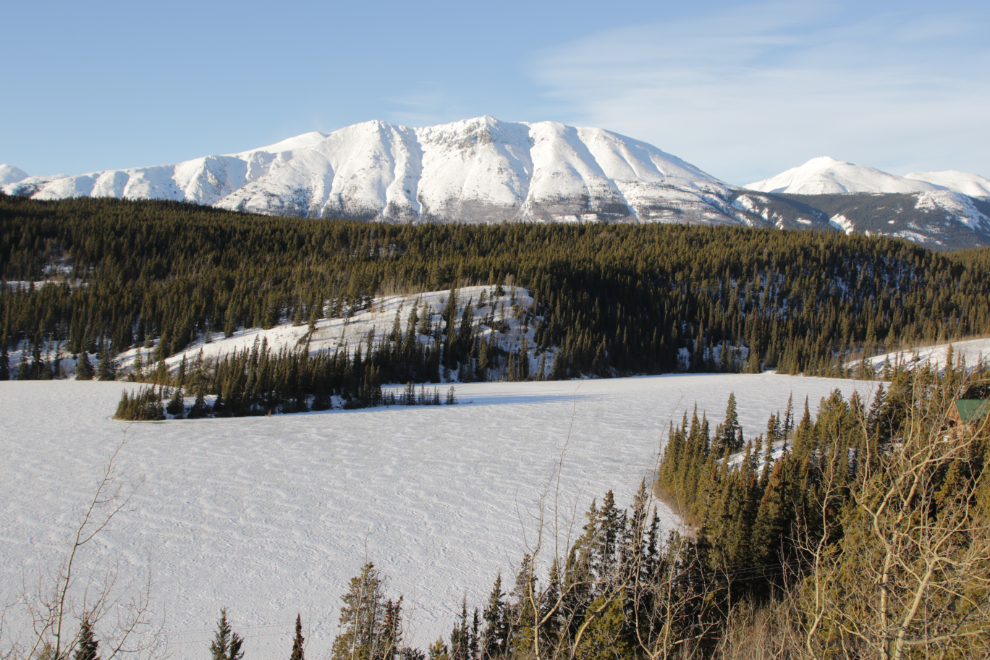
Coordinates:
x,y
297,643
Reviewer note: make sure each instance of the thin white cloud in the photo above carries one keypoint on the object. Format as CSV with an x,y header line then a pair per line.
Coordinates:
x,y
758,89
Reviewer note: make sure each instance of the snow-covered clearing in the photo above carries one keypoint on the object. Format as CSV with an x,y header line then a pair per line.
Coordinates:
x,y
271,516
972,351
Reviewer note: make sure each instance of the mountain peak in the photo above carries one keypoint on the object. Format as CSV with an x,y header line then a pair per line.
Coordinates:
x,y
11,174
825,175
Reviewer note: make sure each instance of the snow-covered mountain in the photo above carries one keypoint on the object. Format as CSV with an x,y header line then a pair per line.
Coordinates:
x,y
11,174
826,176
941,210
965,183
476,170
485,170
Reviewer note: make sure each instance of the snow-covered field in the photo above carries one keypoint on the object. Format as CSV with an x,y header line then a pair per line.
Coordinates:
x,y
272,516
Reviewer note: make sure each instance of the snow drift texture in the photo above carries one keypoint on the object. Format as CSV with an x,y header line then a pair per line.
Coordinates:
x,y
476,170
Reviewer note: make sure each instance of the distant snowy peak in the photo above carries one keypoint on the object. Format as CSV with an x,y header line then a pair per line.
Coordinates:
x,y
824,176
11,174
475,170
965,183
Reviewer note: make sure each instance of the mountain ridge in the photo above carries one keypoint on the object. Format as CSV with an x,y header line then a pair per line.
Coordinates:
x,y
484,170
478,169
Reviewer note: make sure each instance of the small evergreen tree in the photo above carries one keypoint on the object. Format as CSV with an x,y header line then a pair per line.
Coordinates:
x,y
86,648
84,368
200,408
297,643
175,405
107,369
4,360
362,618
226,644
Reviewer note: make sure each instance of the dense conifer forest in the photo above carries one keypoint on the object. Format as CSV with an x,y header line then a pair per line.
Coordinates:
x,y
102,275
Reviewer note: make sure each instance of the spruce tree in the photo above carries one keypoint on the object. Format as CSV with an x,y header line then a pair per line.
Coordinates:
x,y
297,643
361,617
200,408
4,360
494,639
84,368
107,369
86,648
175,406
226,644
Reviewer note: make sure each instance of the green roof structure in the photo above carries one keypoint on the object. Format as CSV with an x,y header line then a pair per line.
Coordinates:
x,y
972,411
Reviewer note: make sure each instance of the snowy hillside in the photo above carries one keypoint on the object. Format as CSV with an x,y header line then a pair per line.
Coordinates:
x,y
476,170
972,352
507,311
271,516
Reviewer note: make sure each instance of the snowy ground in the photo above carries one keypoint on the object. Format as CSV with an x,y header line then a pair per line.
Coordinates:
x,y
272,516
974,351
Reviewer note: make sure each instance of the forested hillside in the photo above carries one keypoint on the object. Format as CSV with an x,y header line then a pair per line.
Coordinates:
x,y
101,275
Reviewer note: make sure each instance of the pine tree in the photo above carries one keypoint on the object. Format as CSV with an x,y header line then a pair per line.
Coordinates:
x,y
362,618
175,406
297,643
4,360
226,644
87,645
200,408
494,639
107,369
84,368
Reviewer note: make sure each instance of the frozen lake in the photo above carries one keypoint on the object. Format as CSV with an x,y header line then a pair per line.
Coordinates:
x,y
271,516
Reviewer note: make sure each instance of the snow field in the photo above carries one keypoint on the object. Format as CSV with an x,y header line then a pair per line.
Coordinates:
x,y
272,516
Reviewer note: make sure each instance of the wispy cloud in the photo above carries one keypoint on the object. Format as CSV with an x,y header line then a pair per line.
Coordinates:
x,y
757,89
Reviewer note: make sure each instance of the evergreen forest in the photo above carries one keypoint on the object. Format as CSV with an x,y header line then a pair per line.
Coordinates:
x,y
98,276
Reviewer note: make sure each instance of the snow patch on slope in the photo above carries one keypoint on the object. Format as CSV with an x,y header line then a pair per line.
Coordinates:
x,y
957,206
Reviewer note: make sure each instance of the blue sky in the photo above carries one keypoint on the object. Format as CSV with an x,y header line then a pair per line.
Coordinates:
x,y
742,90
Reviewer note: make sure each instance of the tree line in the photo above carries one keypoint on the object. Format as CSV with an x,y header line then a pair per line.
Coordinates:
x,y
98,276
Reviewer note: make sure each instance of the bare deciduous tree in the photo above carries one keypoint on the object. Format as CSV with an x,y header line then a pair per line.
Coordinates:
x,y
43,621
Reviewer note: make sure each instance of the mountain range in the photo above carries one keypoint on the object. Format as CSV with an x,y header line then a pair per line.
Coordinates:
x,y
486,170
